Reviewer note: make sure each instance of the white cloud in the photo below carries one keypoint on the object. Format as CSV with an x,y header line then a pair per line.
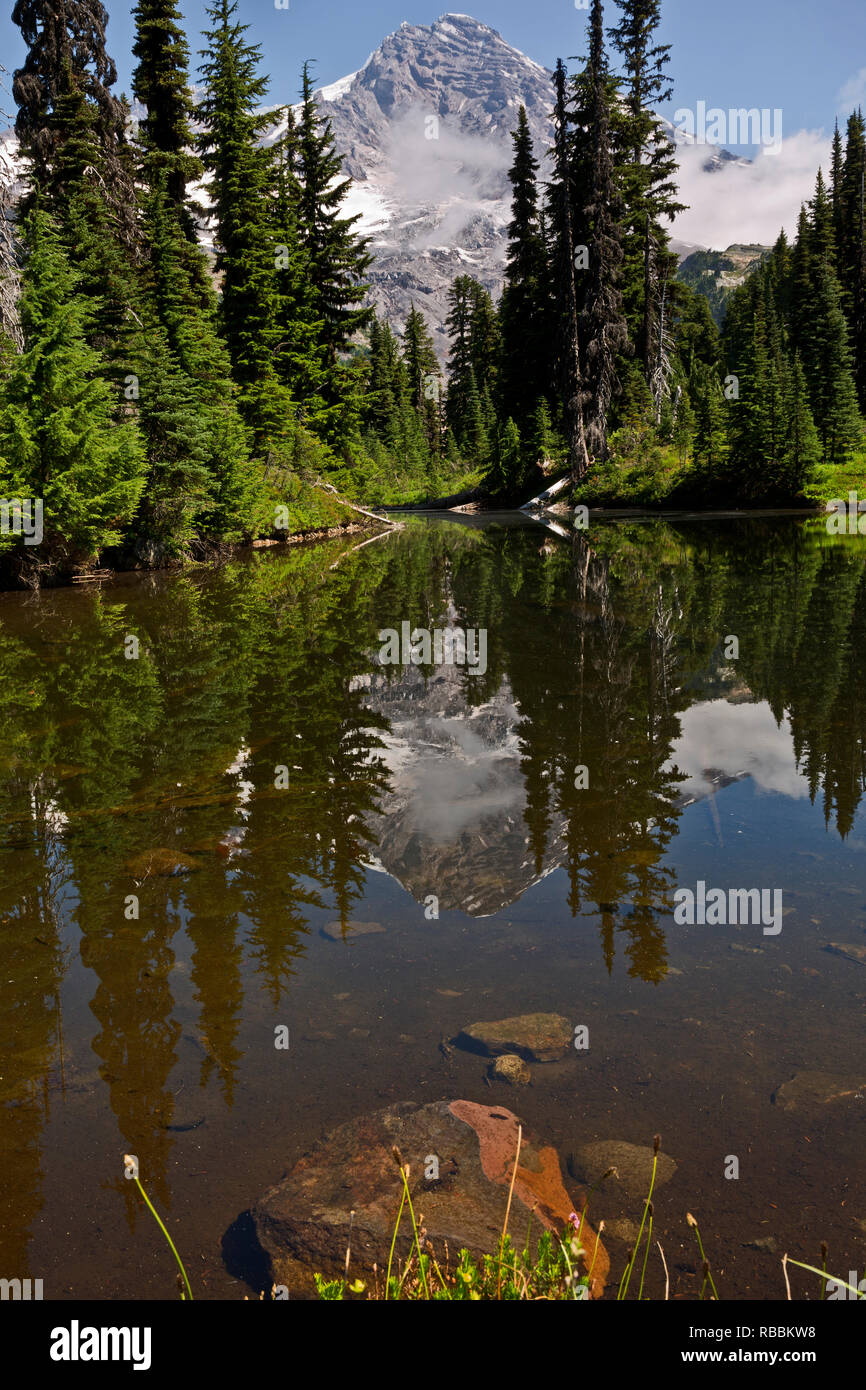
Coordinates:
x,y
455,173
853,93
748,202
719,737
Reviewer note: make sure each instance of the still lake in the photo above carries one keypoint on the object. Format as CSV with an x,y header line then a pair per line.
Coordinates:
x,y
247,772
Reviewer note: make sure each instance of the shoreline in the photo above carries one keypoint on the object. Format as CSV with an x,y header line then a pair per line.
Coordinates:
x,y
213,553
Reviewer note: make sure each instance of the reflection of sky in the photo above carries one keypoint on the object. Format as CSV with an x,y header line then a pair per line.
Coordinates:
x,y
733,739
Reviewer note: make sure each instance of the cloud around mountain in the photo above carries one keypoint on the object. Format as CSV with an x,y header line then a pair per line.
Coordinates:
x,y
748,201
425,129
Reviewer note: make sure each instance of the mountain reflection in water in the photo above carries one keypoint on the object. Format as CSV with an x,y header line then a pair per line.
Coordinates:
x,y
161,888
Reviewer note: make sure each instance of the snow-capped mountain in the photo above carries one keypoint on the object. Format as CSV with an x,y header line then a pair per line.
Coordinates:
x,y
425,131
424,128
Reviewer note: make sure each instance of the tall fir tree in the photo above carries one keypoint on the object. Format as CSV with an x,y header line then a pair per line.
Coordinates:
x,y
425,378
337,256
232,120
60,440
524,311
187,366
802,451
66,49
604,335
647,170
300,358
568,354
459,325
851,240
160,82
829,364
200,481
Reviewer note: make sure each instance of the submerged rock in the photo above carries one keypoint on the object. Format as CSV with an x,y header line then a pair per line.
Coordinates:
x,y
851,951
335,931
161,863
624,1229
768,1245
812,1088
512,1069
461,1158
535,1037
633,1163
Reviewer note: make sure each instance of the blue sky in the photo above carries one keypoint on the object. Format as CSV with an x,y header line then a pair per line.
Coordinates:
x,y
806,58
798,55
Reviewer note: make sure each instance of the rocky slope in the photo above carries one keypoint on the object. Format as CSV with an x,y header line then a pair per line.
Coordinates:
x,y
425,131
425,128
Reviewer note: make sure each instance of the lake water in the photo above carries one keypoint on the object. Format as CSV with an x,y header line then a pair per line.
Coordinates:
x,y
255,773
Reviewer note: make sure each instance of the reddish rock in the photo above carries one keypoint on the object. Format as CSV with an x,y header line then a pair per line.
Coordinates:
x,y
303,1224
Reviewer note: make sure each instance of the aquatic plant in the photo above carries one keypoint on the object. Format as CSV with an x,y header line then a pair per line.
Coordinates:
x,y
132,1167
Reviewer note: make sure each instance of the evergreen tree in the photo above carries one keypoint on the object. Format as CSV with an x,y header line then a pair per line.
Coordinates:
x,y
602,326
647,167
62,38
300,359
802,446
337,256
59,440
822,237
201,481
183,343
65,51
77,200
837,164
422,369
802,283
710,438
459,324
509,463
851,240
240,192
178,445
758,422
568,354
828,364
524,310
161,83
389,409
484,344
475,439
542,444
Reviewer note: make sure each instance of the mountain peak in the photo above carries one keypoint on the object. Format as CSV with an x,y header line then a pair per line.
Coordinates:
x,y
463,21
424,128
